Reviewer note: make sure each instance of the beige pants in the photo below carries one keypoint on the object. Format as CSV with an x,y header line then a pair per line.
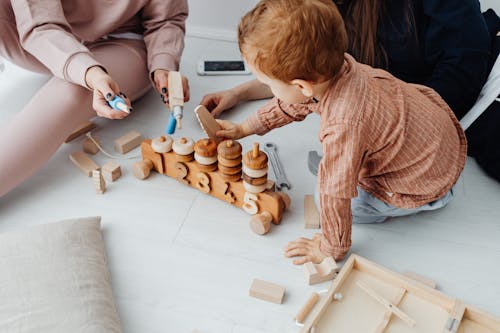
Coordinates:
x,y
58,107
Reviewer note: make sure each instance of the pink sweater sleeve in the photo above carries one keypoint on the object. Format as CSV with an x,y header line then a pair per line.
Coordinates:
x,y
45,33
164,24
277,113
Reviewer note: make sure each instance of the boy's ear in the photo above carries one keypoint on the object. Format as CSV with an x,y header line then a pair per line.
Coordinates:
x,y
305,87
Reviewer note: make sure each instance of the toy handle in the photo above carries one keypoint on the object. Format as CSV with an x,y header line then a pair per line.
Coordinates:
x,y
171,125
119,103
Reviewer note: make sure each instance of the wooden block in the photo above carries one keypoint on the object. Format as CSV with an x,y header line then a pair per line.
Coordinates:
x,y
419,278
267,291
207,122
111,171
175,89
80,130
90,147
128,142
84,162
311,214
324,271
99,183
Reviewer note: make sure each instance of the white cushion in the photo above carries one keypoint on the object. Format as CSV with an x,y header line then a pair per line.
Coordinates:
x,y
54,278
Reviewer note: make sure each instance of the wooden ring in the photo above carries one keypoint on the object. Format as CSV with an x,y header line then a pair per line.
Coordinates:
x,y
184,158
255,181
255,158
254,173
183,146
229,163
162,144
205,160
230,171
254,188
229,149
231,178
206,148
208,168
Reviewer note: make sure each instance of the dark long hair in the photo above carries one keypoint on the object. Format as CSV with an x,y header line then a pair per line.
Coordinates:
x,y
361,18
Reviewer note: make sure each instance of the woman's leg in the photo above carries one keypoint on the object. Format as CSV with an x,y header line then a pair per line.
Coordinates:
x,y
59,107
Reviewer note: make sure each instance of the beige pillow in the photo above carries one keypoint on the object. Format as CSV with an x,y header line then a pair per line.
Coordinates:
x,y
54,278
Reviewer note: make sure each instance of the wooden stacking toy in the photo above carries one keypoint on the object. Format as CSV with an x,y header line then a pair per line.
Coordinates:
x,y
217,170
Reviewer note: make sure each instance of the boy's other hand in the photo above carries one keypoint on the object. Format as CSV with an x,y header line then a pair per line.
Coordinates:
x,y
231,130
220,101
308,249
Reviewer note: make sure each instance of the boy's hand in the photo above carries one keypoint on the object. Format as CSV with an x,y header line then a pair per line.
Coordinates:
x,y
219,102
309,249
231,130
160,77
104,90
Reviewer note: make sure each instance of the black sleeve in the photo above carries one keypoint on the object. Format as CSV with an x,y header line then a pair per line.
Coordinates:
x,y
457,42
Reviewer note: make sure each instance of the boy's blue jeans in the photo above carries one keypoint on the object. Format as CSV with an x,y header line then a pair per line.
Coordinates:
x,y
368,209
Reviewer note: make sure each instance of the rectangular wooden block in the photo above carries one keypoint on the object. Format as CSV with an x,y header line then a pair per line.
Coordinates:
x,y
111,171
90,147
267,291
128,142
80,130
324,271
84,162
311,214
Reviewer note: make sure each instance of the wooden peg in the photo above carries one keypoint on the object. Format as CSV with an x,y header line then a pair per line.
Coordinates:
x,y
255,150
255,159
324,271
261,223
304,311
267,291
142,169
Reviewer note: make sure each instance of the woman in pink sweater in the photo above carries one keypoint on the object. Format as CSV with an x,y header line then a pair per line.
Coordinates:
x,y
94,50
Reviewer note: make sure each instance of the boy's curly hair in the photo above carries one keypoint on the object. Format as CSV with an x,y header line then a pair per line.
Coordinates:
x,y
294,39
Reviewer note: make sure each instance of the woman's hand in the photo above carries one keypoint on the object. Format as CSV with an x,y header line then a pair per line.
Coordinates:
x,y
220,101
160,77
104,90
309,249
231,130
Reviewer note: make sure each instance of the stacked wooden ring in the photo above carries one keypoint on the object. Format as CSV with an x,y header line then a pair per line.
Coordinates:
x,y
184,149
229,158
255,170
205,153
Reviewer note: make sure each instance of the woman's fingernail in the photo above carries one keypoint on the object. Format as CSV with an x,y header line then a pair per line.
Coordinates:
x,y
164,90
130,109
108,96
124,96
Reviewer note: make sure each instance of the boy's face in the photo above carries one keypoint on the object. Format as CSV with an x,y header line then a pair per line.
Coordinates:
x,y
289,93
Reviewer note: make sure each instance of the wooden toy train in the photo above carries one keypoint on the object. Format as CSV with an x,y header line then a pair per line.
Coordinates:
x,y
219,170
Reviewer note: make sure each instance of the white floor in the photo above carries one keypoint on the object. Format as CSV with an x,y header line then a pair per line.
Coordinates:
x,y
181,260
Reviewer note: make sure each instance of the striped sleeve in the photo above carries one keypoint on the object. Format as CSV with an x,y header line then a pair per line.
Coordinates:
x,y
277,113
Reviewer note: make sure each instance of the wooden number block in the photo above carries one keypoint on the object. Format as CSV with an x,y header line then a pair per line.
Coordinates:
x,y
84,162
99,183
207,122
324,271
80,130
267,291
90,147
128,142
111,171
311,214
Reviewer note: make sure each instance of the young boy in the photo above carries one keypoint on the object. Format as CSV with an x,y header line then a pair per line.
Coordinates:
x,y
390,148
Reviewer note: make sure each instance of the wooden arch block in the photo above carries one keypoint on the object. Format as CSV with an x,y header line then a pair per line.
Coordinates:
x,y
324,271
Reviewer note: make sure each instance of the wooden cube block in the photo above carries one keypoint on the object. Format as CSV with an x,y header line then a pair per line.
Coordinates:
x,y
128,142
99,183
267,291
90,147
84,162
111,171
324,271
311,214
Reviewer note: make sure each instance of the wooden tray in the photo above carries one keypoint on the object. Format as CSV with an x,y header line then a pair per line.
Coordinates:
x,y
359,312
